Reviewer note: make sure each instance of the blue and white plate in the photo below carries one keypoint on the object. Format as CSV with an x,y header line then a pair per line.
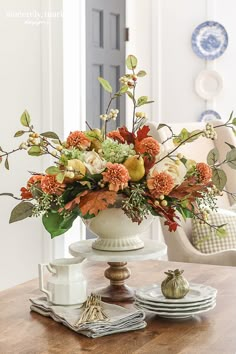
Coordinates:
x,y
209,115
209,40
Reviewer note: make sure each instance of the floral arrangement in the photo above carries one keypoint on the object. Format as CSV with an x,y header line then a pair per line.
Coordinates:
x,y
93,167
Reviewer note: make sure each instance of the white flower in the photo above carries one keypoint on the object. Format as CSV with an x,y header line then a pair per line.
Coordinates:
x,y
94,163
176,169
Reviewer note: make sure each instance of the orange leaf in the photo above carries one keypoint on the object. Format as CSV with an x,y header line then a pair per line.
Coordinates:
x,y
93,202
70,205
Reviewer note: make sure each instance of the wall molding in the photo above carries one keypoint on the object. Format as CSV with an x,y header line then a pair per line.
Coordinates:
x,y
51,99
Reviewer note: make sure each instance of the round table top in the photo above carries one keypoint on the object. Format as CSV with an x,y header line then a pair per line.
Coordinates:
x,y
151,250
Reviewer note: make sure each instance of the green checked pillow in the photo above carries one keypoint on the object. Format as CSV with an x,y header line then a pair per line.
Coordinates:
x,y
204,237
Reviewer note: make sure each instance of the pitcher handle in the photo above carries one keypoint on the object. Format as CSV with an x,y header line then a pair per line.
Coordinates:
x,y
41,279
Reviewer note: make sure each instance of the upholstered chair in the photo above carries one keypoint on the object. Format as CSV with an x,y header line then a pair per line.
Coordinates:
x,y
180,247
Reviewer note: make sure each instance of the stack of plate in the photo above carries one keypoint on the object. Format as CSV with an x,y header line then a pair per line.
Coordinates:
x,y
200,298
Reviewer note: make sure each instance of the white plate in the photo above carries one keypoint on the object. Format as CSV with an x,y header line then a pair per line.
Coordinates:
x,y
173,307
179,314
197,293
208,84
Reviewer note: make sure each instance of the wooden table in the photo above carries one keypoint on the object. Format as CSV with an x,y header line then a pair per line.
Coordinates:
x,y
22,332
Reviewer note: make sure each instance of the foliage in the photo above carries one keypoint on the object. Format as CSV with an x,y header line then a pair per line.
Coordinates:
x,y
95,168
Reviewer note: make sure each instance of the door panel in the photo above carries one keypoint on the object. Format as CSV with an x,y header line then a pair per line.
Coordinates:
x,y
105,56
105,49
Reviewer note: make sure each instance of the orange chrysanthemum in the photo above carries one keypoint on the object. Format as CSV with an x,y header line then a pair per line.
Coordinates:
x,y
25,192
205,172
115,135
148,146
116,175
50,185
160,184
33,180
78,140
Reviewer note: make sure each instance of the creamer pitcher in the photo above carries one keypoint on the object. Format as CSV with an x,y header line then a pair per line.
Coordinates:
x,y
67,285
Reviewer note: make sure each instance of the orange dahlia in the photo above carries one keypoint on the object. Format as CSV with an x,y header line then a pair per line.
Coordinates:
x,y
78,140
50,185
205,172
116,175
160,184
148,146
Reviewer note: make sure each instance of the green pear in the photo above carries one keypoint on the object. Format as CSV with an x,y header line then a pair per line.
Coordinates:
x,y
135,167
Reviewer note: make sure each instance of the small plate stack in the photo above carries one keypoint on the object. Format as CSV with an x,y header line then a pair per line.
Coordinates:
x,y
200,298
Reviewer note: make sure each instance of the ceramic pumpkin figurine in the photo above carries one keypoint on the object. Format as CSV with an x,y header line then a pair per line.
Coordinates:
x,y
175,286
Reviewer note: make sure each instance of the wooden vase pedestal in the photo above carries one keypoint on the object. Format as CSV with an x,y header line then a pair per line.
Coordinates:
x,y
117,273
117,291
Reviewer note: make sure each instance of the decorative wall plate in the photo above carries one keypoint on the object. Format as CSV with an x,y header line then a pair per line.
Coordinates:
x,y
209,40
209,115
208,84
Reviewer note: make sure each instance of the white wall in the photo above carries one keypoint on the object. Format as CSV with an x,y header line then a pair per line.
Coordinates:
x,y
27,81
160,35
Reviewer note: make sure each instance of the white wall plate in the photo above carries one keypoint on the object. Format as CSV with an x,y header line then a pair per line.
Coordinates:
x,y
208,84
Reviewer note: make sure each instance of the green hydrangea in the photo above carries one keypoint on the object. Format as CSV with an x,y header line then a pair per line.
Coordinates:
x,y
69,154
114,152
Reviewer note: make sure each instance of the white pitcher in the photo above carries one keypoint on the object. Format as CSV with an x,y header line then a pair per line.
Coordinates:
x,y
67,285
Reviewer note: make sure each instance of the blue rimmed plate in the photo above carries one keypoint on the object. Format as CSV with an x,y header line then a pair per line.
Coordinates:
x,y
209,115
209,40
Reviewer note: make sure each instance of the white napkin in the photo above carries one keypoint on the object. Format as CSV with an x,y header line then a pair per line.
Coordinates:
x,y
120,318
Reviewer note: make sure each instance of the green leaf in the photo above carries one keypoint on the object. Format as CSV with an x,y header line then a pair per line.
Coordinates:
x,y
21,211
231,158
130,95
142,100
194,135
131,62
57,224
162,125
52,170
60,177
50,135
230,145
219,178
148,102
25,119
105,84
221,232
186,213
123,89
19,133
6,163
186,135
234,121
213,156
35,151
141,73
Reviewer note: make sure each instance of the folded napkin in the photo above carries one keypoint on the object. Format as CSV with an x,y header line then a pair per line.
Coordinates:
x,y
120,319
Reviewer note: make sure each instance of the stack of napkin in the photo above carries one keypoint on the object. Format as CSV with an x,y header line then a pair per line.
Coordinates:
x,y
120,319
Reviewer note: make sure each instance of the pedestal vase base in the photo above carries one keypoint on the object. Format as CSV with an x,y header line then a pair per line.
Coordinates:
x,y
119,244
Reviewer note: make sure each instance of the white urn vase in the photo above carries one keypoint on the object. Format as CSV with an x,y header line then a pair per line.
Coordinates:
x,y
117,232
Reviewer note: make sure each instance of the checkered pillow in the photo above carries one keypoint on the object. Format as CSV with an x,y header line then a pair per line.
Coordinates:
x,y
204,237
